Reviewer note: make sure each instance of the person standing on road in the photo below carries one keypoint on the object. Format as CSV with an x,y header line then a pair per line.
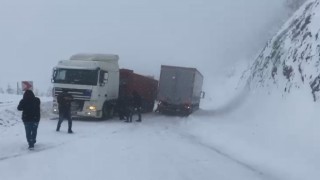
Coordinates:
x,y
30,107
121,104
137,103
128,109
124,108
64,104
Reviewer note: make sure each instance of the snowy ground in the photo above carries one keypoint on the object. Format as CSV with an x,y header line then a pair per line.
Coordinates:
x,y
264,138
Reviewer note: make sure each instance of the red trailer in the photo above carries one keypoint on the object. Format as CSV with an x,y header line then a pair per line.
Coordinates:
x,y
144,85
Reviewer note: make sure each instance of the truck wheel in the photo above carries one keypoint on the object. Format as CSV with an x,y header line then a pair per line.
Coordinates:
x,y
151,106
197,106
107,111
187,112
148,106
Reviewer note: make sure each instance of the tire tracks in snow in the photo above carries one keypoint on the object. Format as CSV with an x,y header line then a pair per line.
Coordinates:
x,y
53,146
29,152
195,140
198,142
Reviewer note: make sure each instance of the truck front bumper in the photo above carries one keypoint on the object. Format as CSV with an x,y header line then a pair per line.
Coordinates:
x,y
95,114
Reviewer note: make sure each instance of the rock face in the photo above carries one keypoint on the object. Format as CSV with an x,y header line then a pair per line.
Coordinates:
x,y
291,59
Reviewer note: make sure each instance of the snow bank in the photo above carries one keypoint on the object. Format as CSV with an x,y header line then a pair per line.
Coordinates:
x,y
10,116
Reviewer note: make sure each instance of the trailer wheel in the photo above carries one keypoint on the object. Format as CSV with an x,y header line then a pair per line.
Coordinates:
x,y
107,111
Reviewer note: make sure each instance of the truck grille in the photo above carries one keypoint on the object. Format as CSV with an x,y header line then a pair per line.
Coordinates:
x,y
78,94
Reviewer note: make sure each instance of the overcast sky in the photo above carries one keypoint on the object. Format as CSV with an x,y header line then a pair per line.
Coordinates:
x,y
206,34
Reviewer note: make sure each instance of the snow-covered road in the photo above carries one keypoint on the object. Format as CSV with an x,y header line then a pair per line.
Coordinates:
x,y
153,149
262,144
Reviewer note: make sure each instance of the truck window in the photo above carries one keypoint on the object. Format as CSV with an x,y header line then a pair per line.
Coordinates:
x,y
76,76
60,75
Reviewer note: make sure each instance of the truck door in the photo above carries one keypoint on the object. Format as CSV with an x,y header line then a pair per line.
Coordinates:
x,y
184,86
103,81
167,85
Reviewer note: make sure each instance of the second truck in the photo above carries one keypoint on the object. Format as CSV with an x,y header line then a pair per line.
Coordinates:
x,y
180,90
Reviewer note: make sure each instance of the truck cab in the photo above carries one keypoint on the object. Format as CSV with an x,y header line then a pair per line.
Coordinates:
x,y
92,80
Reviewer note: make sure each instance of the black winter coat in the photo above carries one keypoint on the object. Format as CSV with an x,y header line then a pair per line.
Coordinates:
x,y
30,107
64,102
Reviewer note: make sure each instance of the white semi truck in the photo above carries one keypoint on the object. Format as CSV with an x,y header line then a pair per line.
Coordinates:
x,y
92,80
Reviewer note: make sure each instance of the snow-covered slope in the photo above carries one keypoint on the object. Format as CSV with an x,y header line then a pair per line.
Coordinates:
x,y
291,59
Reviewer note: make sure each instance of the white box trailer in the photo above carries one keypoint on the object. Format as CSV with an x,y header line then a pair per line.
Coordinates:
x,y
180,90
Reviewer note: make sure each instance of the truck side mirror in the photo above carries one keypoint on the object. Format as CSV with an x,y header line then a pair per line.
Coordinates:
x,y
103,78
106,76
203,94
54,75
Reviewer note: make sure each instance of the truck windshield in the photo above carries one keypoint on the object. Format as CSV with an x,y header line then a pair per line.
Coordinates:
x,y
75,76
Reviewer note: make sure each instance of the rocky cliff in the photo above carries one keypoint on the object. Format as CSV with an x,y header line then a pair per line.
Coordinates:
x,y
291,59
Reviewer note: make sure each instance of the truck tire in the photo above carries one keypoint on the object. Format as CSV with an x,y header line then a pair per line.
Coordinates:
x,y
107,111
187,112
197,107
148,106
151,106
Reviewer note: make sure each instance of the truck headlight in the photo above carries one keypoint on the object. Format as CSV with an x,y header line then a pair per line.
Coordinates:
x,y
92,108
55,108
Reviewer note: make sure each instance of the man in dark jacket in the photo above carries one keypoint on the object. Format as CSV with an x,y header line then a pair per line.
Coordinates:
x,y
128,108
30,107
64,104
123,107
137,103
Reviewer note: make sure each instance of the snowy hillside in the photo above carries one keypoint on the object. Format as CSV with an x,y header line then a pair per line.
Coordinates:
x,y
291,59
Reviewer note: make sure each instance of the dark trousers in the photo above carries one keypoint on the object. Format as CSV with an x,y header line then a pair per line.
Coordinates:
x,y
62,116
129,114
138,112
122,114
31,132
